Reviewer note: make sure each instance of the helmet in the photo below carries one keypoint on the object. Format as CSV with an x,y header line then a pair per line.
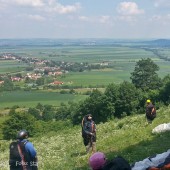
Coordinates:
x,y
89,115
97,160
148,101
22,134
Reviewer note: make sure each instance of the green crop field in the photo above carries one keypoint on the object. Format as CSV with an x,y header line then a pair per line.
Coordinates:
x,y
122,58
91,54
10,66
32,98
165,52
96,77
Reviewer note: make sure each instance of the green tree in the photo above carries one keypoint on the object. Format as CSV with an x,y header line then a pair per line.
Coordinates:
x,y
48,113
40,107
66,112
18,75
165,93
166,79
95,104
16,122
112,94
35,112
40,81
144,75
128,99
28,80
8,85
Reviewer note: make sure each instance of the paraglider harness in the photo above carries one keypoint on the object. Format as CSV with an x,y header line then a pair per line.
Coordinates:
x,y
20,158
84,135
118,163
87,137
151,112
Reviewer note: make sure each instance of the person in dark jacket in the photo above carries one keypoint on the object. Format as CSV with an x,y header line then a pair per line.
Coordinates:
x,y
84,135
89,133
23,155
150,111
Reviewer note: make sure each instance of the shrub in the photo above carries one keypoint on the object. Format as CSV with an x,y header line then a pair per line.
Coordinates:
x,y
18,121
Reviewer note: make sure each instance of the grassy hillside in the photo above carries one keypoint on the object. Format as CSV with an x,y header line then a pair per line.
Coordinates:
x,y
129,137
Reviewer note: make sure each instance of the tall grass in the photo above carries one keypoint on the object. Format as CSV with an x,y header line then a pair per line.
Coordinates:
x,y
129,137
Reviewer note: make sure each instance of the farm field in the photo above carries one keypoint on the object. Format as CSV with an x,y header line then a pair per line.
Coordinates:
x,y
32,98
91,54
10,66
121,72
96,77
122,59
165,52
164,68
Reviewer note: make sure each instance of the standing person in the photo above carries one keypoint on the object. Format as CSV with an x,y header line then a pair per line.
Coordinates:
x,y
89,133
150,111
84,135
23,155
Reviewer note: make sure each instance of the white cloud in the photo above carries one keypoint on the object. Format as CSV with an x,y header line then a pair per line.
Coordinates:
x,y
156,18
83,18
43,5
104,19
129,8
34,3
161,3
129,19
100,19
161,20
2,4
36,17
61,9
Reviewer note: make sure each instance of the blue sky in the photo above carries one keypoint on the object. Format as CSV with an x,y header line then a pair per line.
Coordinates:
x,y
117,19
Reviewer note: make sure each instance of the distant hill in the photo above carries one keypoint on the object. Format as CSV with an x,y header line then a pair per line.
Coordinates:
x,y
80,42
160,42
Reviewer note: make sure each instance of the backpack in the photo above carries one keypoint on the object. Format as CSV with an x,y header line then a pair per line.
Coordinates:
x,y
153,115
151,111
118,163
84,120
14,155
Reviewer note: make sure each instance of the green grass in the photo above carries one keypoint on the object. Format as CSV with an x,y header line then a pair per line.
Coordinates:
x,y
96,77
129,137
10,66
164,68
31,98
3,117
80,53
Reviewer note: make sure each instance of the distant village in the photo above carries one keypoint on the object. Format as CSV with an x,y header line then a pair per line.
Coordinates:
x,y
38,68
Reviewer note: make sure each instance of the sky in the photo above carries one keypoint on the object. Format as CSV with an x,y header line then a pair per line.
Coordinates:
x,y
115,19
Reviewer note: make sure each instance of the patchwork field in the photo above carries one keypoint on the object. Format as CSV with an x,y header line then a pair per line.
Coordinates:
x,y
32,98
11,66
122,59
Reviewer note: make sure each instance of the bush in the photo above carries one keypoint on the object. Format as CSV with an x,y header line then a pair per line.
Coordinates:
x,y
18,121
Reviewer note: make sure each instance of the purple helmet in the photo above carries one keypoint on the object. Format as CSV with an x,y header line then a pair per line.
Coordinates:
x,y
97,160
